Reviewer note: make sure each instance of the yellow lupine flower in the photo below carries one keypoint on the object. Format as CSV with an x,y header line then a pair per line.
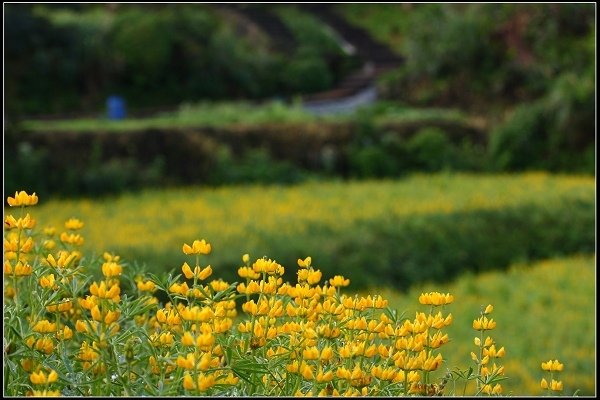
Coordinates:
x,y
22,223
436,298
268,266
304,263
197,247
556,385
310,353
314,277
188,382
22,199
96,314
147,286
73,224
110,269
40,378
544,383
218,285
488,309
248,272
71,238
111,316
65,333
324,376
45,393
181,289
187,362
326,353
44,326
306,371
47,281
45,345
552,365
63,306
204,273
104,292
482,324
20,269
205,381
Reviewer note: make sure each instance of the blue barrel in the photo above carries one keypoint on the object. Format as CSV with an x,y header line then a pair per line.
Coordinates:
x,y
115,106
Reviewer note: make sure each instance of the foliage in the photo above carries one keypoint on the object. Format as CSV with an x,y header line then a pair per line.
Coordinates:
x,y
153,55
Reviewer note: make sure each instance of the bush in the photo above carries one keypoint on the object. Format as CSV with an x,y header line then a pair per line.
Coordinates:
x,y
430,149
520,143
254,166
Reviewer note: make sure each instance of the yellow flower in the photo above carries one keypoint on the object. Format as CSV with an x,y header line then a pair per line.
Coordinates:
x,y
73,224
19,270
71,238
45,345
147,286
483,324
22,199
104,292
314,277
45,393
304,263
552,365
269,266
44,326
40,378
22,223
188,382
339,281
436,298
205,381
556,385
66,333
544,384
488,309
110,269
47,281
205,273
63,306
197,247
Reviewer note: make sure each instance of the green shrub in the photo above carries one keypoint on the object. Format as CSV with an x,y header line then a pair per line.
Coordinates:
x,y
430,149
519,143
254,166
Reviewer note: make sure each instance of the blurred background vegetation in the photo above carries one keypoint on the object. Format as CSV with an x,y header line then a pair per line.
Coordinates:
x,y
484,87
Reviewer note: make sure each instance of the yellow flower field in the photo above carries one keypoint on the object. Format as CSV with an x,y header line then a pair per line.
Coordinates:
x,y
238,216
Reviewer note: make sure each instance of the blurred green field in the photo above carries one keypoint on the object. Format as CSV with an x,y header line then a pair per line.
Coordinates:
x,y
546,310
397,232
